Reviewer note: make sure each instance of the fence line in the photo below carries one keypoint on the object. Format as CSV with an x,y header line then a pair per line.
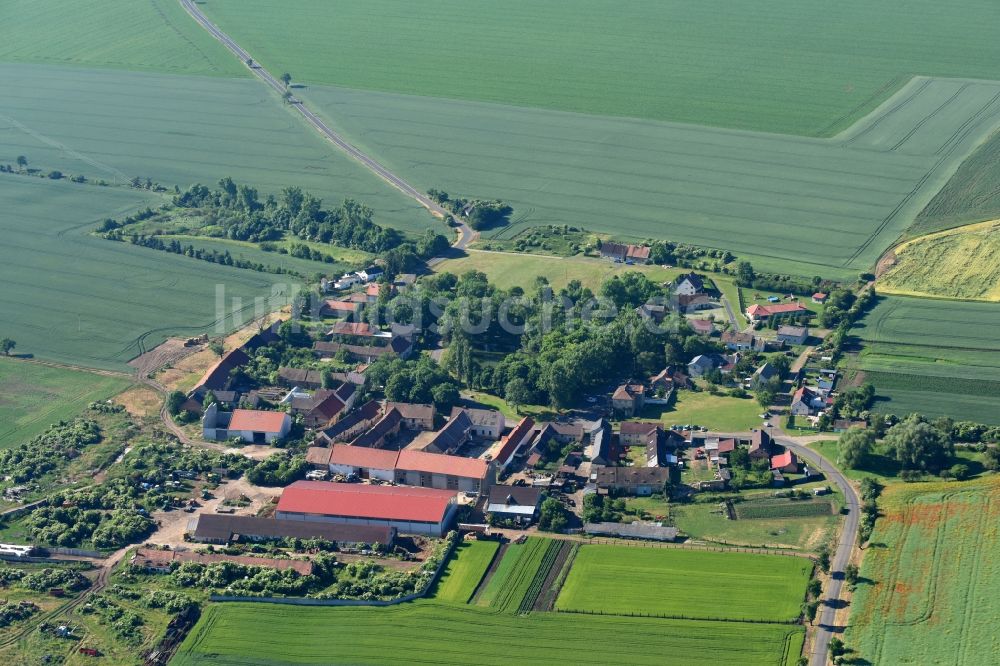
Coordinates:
x,y
727,548
305,601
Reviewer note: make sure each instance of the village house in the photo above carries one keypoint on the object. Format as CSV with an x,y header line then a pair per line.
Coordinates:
x,y
250,425
653,312
625,254
631,481
632,433
737,340
518,504
348,427
703,364
415,416
601,449
688,303
786,463
760,445
820,297
424,511
764,375
793,335
758,313
512,442
689,284
704,327
628,399
339,308
486,423
456,432
320,408
806,402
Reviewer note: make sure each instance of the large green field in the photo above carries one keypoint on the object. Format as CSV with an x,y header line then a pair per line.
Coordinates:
x,y
437,633
790,204
155,35
670,582
34,396
937,357
465,570
931,578
179,130
787,66
76,298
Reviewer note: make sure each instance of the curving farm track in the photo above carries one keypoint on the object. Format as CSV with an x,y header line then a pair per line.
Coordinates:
x,y
466,234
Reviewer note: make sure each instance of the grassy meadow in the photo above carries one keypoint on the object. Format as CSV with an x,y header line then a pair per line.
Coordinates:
x,y
34,396
154,35
669,582
179,130
933,356
465,570
789,204
430,632
84,300
783,66
959,263
705,522
719,413
929,581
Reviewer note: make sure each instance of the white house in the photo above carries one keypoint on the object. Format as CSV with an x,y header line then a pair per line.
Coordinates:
x,y
250,425
689,285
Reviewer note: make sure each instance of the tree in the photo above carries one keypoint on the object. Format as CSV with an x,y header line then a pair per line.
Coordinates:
x,y
286,78
22,162
516,393
991,459
765,395
855,446
919,445
744,274
552,516
217,348
7,346
174,401
286,97
836,647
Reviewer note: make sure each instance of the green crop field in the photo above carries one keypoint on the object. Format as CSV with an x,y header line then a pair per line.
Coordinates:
x,y
930,580
513,577
436,633
791,204
933,356
959,263
76,298
179,130
155,35
465,570
669,582
787,66
34,396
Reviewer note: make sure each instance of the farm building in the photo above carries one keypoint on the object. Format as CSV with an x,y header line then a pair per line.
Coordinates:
x,y
250,425
820,297
322,406
628,399
601,449
338,308
688,303
217,377
425,511
453,435
651,531
622,253
630,480
382,431
407,467
307,379
757,312
486,423
516,503
415,416
631,433
220,529
350,426
512,442
793,335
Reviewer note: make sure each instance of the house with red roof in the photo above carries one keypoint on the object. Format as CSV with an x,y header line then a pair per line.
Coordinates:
x,y
820,297
407,467
426,511
758,312
513,441
340,308
785,462
250,425
628,399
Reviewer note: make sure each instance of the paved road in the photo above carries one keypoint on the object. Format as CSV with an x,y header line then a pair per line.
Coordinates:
x,y
729,313
466,234
826,627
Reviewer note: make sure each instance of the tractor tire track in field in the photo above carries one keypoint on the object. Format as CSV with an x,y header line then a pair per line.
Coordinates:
x,y
466,234
920,123
889,112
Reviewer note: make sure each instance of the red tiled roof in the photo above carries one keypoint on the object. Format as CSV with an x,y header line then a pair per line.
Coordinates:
x,y
362,456
513,439
638,252
255,420
342,306
215,377
757,309
354,500
318,455
819,296
637,427
782,460
352,328
437,463
727,445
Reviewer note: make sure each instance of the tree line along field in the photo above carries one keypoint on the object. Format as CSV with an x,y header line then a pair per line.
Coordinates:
x,y
668,582
34,396
959,263
154,35
933,356
79,299
783,66
114,125
929,581
790,204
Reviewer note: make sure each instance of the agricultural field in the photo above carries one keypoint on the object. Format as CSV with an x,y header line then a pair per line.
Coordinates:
x,y
670,582
933,356
34,396
155,35
779,66
506,270
719,413
114,125
961,263
84,300
465,570
972,194
430,632
516,581
705,521
789,204
930,580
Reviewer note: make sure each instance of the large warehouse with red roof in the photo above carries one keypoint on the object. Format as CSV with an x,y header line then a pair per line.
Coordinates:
x,y
409,510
